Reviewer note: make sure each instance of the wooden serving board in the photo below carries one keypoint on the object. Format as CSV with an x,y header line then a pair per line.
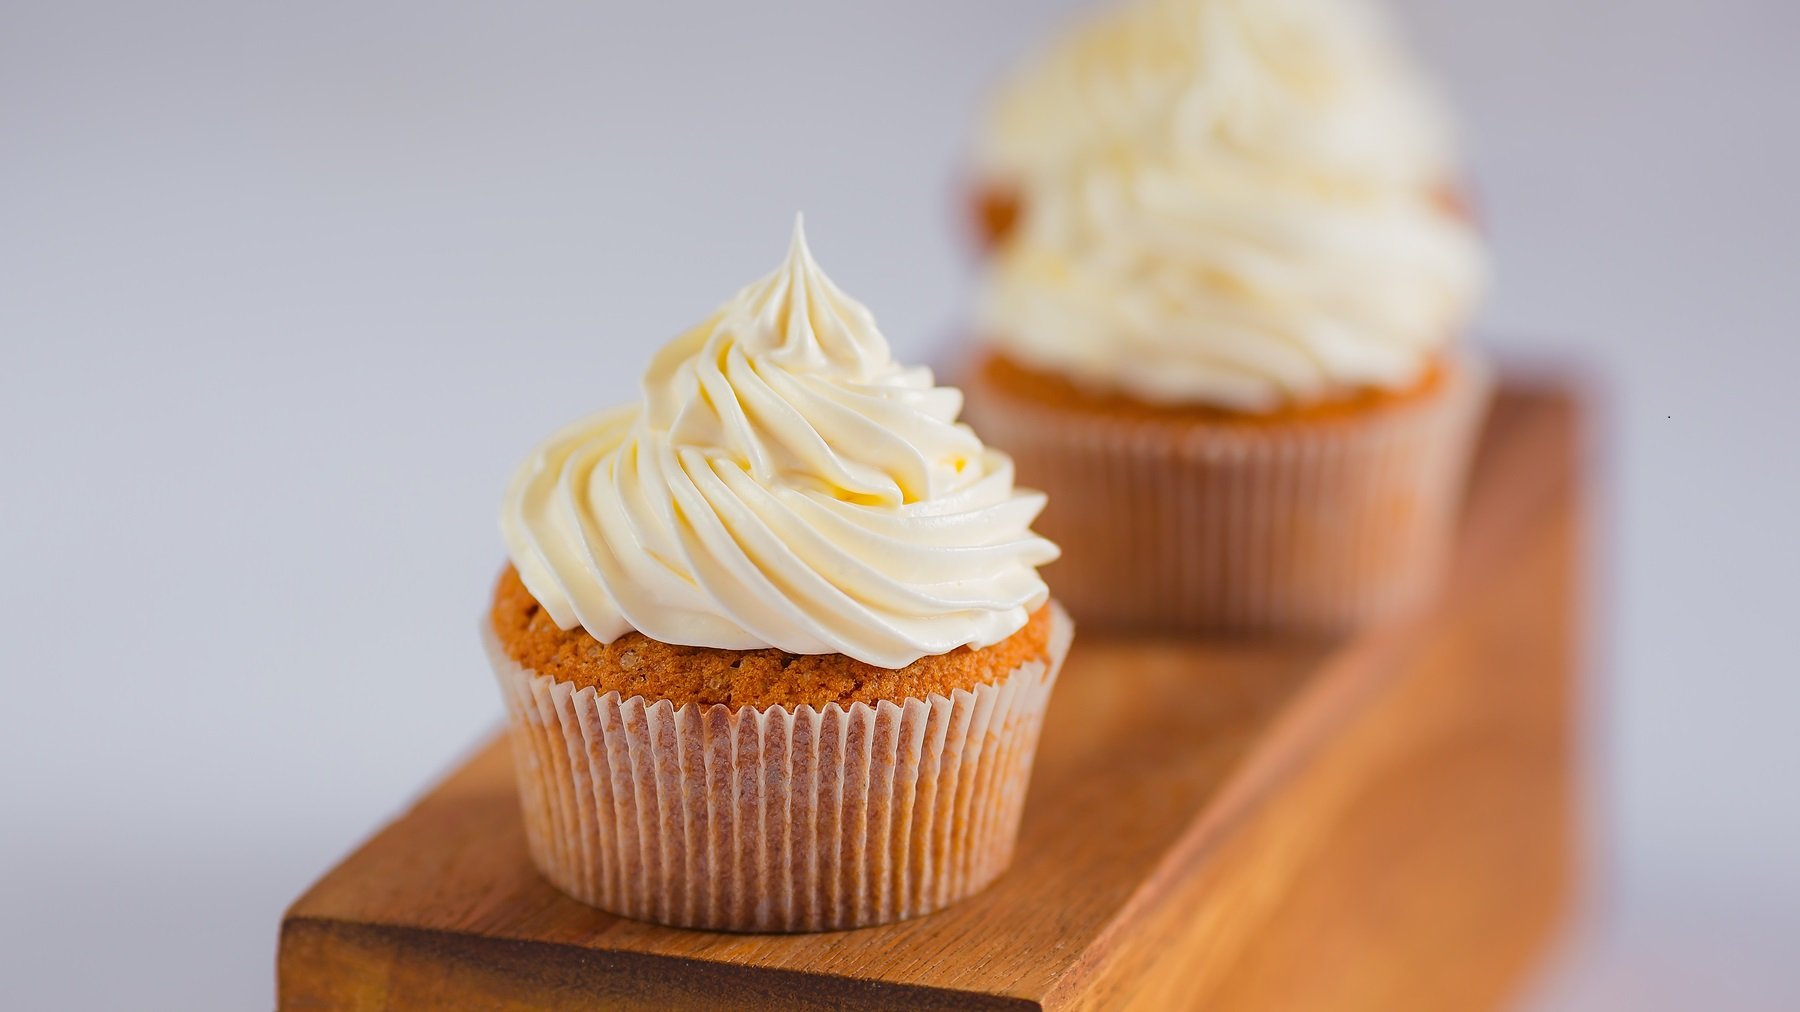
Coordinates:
x,y
1382,822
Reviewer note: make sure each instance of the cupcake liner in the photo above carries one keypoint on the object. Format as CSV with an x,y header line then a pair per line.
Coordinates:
x,y
775,819
1303,526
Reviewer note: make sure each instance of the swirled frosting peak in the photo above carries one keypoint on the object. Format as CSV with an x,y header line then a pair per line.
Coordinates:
x,y
783,483
1234,202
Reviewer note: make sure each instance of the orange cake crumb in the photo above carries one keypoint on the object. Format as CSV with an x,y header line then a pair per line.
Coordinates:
x,y
1007,376
635,664
996,213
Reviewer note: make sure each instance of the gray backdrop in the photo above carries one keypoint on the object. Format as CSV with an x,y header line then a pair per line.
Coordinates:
x,y
286,290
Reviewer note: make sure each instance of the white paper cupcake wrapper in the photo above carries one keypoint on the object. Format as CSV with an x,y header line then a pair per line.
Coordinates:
x,y
1289,527
774,820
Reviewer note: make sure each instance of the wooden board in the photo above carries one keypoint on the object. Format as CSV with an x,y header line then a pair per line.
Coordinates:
x,y
1377,823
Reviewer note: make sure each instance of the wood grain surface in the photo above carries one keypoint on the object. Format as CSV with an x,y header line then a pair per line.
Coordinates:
x,y
1382,822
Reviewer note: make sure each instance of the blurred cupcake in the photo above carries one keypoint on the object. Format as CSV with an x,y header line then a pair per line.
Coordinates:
x,y
773,640
1220,327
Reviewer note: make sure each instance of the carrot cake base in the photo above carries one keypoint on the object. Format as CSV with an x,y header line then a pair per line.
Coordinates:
x,y
636,665
1016,379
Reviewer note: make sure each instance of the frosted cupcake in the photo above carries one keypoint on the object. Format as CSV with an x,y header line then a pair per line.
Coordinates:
x,y
1220,325
773,640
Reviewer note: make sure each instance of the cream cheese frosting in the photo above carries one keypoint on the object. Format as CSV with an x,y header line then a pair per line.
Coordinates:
x,y
1237,202
783,483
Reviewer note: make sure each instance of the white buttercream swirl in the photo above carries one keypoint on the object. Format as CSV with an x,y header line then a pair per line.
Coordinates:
x,y
784,483
1237,202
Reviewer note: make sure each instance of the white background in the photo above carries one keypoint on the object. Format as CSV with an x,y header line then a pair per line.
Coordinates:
x,y
286,290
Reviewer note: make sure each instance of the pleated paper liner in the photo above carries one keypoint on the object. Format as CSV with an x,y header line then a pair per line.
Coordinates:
x,y
1310,526
778,819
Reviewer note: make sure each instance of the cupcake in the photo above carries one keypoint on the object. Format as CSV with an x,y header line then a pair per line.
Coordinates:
x,y
1221,321
773,640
